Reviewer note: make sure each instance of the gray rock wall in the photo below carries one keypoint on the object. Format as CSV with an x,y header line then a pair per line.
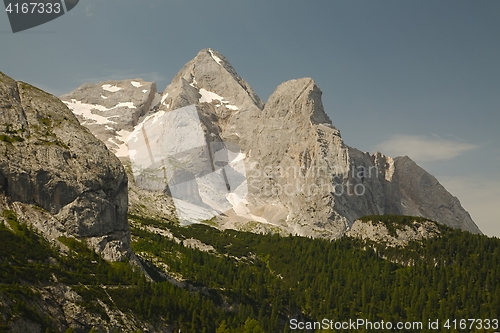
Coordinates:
x,y
48,160
422,193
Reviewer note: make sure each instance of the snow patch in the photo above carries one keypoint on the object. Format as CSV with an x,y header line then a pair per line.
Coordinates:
x,y
194,83
110,88
189,213
85,110
120,141
136,84
166,143
137,130
122,150
103,97
216,58
144,91
209,96
129,105
163,98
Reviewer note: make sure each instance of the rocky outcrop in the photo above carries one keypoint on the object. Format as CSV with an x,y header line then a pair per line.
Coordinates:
x,y
62,307
377,232
326,185
58,176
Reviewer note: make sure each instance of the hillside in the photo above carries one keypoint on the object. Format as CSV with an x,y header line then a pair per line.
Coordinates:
x,y
205,279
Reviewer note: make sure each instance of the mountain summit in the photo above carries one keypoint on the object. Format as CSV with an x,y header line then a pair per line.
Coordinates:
x,y
213,79
284,166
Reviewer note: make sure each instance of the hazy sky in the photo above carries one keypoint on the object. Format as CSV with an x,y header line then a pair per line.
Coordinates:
x,y
417,78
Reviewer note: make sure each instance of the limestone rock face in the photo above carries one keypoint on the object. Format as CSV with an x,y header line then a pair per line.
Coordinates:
x,y
423,194
66,308
294,155
48,160
210,72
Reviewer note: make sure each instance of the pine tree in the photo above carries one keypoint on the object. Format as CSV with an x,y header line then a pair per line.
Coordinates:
x,y
252,326
223,328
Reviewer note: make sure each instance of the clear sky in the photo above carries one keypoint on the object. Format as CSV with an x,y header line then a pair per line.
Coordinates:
x,y
417,78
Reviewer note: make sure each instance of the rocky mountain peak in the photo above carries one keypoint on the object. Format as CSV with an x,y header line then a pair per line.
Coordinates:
x,y
215,80
209,53
285,97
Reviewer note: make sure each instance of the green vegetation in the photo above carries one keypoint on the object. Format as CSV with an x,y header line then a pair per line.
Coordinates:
x,y
46,121
279,276
11,134
256,283
11,139
51,143
212,222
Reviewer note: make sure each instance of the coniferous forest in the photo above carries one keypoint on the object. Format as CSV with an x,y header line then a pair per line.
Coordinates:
x,y
247,282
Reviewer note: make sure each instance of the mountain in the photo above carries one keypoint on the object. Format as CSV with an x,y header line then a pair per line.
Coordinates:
x,y
285,167
74,260
58,176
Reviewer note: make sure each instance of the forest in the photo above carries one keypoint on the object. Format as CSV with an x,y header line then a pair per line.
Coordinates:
x,y
258,283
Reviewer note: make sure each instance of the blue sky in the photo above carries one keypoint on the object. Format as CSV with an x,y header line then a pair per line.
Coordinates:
x,y
417,78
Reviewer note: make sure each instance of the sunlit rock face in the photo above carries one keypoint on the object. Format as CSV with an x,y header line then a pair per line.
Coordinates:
x,y
168,152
